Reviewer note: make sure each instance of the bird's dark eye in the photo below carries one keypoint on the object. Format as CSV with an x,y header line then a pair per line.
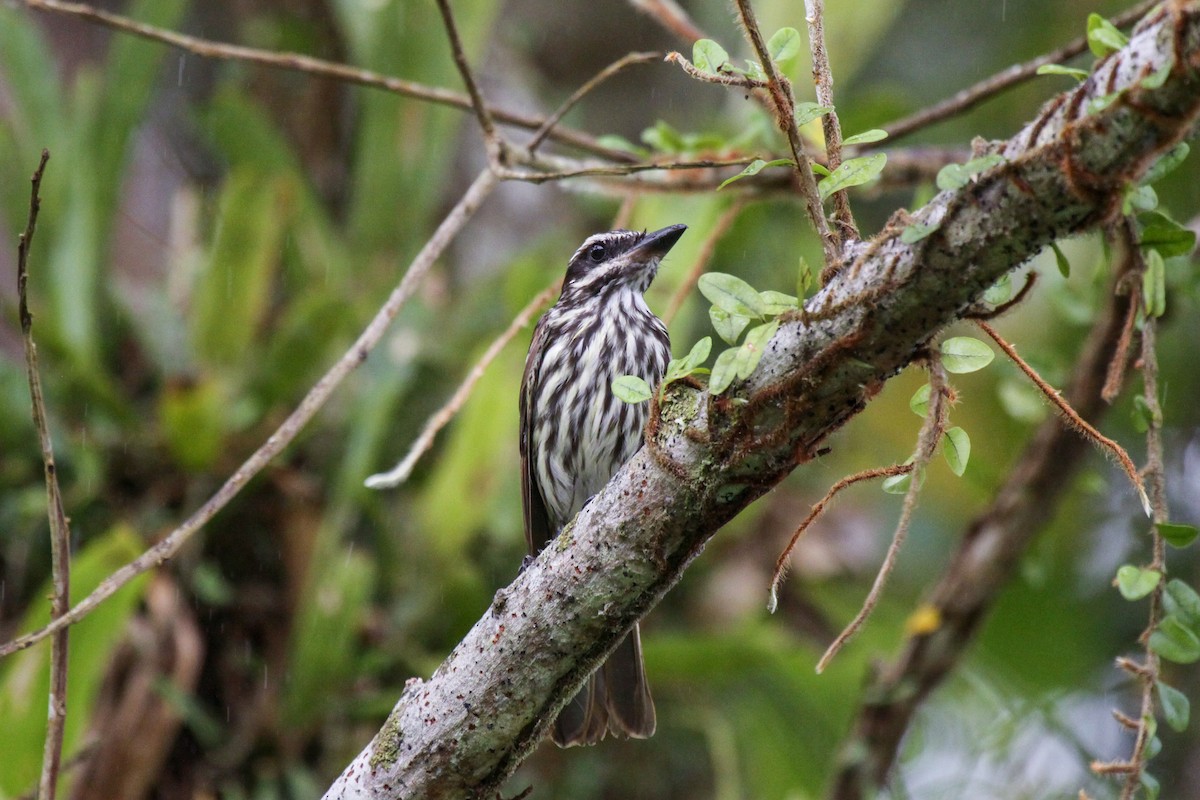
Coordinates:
x,y
597,252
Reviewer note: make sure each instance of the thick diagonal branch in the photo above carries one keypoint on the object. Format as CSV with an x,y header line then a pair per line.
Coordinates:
x,y
464,731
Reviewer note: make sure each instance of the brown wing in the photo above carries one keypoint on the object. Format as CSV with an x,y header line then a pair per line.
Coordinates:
x,y
537,520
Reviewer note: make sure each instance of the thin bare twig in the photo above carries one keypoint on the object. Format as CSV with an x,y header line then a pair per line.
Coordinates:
x,y
1155,472
823,81
784,103
297,62
1071,416
781,564
709,245
617,170
1124,238
972,96
733,79
60,531
483,185
627,60
493,142
927,442
399,474
672,18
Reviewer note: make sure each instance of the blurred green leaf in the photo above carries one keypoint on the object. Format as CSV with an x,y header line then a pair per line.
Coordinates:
x,y
1175,642
1181,601
1059,69
193,416
728,326
631,389
852,172
1175,706
956,176
1136,582
807,111
866,137
731,294
1176,534
956,448
753,168
1165,236
708,56
323,643
962,354
24,676
784,45
1154,285
919,402
1103,37
233,296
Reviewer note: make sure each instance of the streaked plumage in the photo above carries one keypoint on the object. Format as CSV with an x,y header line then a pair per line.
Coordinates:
x,y
575,434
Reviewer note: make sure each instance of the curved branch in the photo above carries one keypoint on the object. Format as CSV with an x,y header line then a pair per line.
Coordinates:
x,y
464,731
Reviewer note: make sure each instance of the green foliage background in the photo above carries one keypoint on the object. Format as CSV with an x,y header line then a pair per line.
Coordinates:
x,y
212,237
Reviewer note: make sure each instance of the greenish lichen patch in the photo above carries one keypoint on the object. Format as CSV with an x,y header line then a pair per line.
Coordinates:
x,y
387,743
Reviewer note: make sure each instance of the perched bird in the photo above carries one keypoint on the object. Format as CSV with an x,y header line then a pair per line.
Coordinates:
x,y
575,434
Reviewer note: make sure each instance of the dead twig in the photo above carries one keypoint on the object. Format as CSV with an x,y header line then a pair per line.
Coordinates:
x,y
1071,416
823,81
927,443
60,531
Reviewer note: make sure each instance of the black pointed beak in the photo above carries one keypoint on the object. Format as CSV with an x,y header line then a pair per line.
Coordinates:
x,y
659,243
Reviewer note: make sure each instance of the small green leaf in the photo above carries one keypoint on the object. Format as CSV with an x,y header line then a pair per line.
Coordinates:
x,y
962,354
731,294
753,347
1153,747
919,402
898,484
1167,163
664,138
807,111
866,137
723,372
615,142
1142,415
956,448
728,326
708,56
1098,104
776,303
999,292
1182,602
1175,706
956,176
753,168
1136,582
1157,78
1059,69
1150,786
754,70
1177,534
631,389
1175,642
917,231
1104,37
1154,285
784,45
682,367
1139,197
1060,258
1168,237
853,172
805,279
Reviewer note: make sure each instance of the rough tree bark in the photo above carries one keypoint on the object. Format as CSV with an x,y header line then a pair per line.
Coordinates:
x,y
464,731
